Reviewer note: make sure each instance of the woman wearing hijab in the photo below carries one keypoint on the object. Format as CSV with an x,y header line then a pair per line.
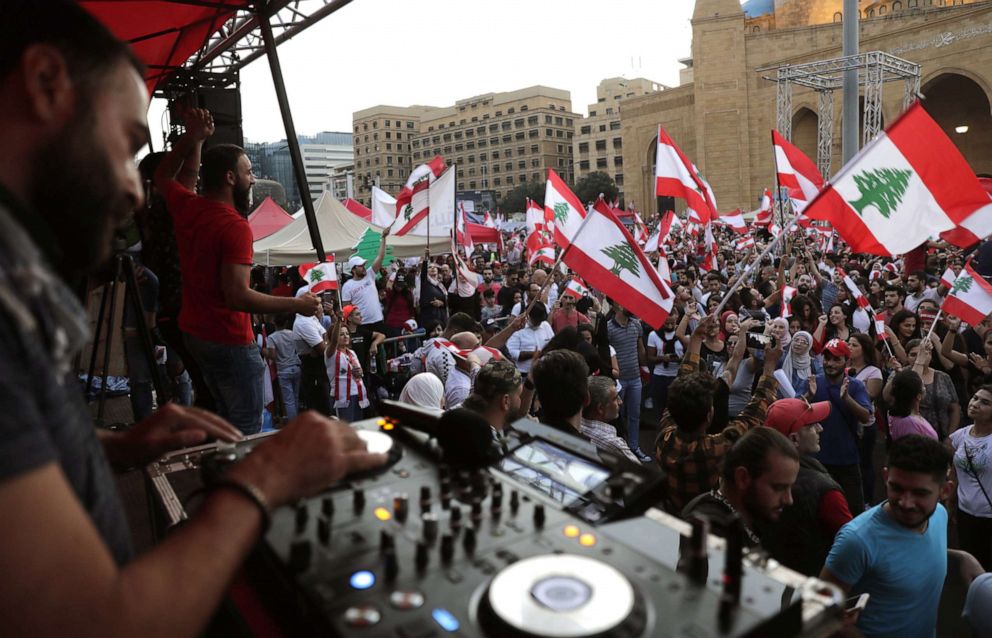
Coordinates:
x,y
424,390
799,363
433,295
729,324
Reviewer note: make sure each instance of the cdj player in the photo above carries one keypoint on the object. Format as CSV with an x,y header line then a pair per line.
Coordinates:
x,y
554,538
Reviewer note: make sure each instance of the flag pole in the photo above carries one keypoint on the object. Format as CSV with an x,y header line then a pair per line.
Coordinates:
x,y
934,324
757,260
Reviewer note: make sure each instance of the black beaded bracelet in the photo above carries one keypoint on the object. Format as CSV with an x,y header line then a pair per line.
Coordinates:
x,y
247,490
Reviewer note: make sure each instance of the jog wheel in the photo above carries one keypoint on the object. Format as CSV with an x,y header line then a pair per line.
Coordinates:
x,y
379,443
561,596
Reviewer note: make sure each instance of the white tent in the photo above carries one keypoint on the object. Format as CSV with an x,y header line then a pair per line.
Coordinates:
x,y
340,230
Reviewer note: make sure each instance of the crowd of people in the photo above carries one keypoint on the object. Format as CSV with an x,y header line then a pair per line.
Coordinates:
x,y
762,406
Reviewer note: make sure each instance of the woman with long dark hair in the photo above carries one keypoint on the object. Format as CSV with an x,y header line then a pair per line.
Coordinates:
x,y
972,465
864,364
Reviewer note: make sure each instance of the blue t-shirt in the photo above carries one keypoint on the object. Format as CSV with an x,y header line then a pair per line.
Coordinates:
x,y
901,569
838,441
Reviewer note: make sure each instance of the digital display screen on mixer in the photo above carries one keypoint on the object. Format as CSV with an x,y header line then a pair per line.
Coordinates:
x,y
562,476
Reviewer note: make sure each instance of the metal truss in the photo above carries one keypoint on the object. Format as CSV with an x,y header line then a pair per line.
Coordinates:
x,y
239,42
875,68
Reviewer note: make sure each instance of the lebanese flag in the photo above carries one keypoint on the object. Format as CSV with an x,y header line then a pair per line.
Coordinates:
x,y
466,281
487,220
563,208
540,249
852,288
675,176
734,219
664,270
796,172
744,243
970,297
947,279
640,227
320,277
383,208
653,244
788,292
414,201
775,229
462,237
605,256
576,288
763,216
906,185
535,217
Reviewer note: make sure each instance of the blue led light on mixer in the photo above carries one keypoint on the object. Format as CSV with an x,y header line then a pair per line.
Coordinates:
x,y
446,619
362,579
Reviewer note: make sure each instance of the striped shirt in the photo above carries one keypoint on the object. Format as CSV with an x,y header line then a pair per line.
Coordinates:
x,y
604,436
624,339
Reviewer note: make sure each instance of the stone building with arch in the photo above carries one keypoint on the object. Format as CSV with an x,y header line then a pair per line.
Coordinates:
x,y
723,112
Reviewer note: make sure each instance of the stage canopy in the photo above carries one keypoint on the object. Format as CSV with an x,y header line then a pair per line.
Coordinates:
x,y
340,230
267,219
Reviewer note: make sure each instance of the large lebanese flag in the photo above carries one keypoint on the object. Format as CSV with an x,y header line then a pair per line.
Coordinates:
x,y
383,208
413,202
563,208
605,255
906,185
535,217
734,219
763,216
675,176
796,172
462,237
433,208
970,297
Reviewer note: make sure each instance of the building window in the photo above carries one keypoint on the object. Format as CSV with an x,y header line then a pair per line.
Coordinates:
x,y
387,123
532,120
609,110
618,160
523,108
897,6
389,172
508,166
585,130
602,128
755,29
508,153
470,145
507,139
592,113
559,133
870,13
389,146
618,178
399,147
535,177
518,123
409,124
617,142
615,125
499,113
549,132
601,162
535,163
534,148
838,17
548,119
600,145
471,185
505,125
496,181
584,165
881,10
483,143
522,164
509,179
519,135
533,133
495,155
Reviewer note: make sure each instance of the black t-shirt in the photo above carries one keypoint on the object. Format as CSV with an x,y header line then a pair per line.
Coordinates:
x,y
361,341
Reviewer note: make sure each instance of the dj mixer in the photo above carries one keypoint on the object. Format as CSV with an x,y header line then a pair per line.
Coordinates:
x,y
554,538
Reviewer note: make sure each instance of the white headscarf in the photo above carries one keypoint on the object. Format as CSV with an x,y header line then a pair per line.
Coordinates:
x,y
799,364
423,390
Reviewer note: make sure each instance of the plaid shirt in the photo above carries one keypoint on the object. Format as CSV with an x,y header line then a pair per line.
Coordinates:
x,y
604,436
692,461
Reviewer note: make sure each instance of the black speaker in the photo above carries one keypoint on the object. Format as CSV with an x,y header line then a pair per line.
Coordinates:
x,y
225,106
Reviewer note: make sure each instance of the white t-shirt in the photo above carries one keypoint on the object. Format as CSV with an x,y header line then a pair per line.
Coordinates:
x,y
521,306
457,388
867,373
363,293
670,369
309,330
973,457
527,340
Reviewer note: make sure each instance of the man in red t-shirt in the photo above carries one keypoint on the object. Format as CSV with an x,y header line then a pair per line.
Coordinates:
x,y
215,255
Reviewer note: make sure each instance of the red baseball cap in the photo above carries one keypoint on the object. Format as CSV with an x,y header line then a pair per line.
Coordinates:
x,y
838,348
347,310
791,415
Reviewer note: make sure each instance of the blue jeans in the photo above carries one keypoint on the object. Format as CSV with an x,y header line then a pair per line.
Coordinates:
x,y
289,386
139,377
631,397
660,385
351,413
233,374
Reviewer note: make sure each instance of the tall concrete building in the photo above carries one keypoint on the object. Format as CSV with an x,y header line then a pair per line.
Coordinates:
x,y
723,111
382,147
497,140
598,144
321,154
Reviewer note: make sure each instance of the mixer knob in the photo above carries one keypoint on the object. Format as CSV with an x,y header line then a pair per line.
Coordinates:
x,y
420,558
456,517
324,530
539,516
390,565
400,507
498,490
514,501
386,541
358,499
447,547
302,514
476,512
299,555
429,523
425,497
327,506
469,540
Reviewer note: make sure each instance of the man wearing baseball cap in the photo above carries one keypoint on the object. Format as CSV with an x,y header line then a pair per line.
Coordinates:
x,y
361,290
802,538
850,407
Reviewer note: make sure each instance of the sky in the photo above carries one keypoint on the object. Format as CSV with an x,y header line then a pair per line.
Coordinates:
x,y
438,52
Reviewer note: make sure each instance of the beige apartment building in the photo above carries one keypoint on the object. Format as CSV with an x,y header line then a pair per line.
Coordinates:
x,y
382,136
497,140
598,143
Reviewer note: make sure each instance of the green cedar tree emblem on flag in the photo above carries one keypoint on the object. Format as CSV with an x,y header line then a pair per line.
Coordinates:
x,y
316,275
623,259
962,284
408,212
561,213
882,188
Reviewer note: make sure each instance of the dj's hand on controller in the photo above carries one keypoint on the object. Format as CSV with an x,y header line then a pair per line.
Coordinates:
x,y
304,458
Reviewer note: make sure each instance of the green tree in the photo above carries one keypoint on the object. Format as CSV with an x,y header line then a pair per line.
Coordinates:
x,y
590,186
962,284
368,247
516,200
623,259
882,188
